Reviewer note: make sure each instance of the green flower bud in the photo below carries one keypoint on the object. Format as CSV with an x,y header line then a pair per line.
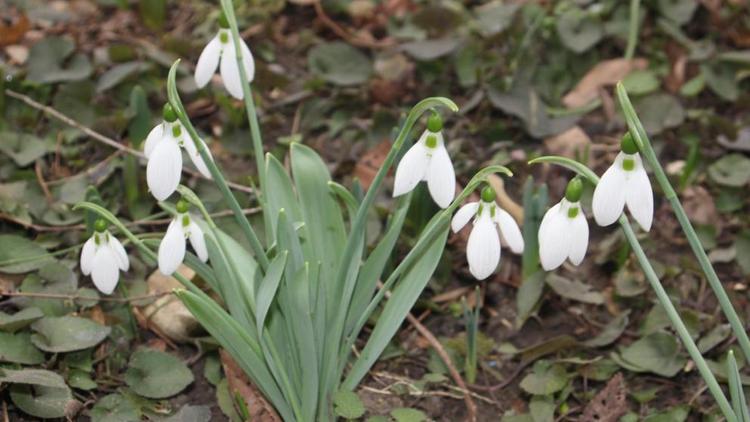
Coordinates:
x,y
574,190
488,194
169,113
182,206
100,225
223,22
628,145
435,122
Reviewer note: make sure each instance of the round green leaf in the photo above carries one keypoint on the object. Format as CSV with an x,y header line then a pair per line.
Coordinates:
x,y
405,414
348,405
17,348
546,379
20,255
731,170
44,402
50,61
115,408
578,30
339,63
156,374
68,333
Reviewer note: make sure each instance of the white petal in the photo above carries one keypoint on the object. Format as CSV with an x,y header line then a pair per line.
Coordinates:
x,y
207,62
509,230
195,157
87,255
609,194
164,169
248,61
230,73
639,197
578,237
553,242
483,248
198,241
463,216
154,136
122,256
411,169
105,271
172,248
441,179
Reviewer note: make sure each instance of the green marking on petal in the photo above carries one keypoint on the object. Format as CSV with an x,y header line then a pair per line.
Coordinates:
x,y
572,212
431,141
223,37
185,220
628,164
176,131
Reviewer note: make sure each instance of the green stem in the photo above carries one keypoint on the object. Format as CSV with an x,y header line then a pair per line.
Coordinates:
x,y
635,5
644,145
218,177
661,294
424,242
247,97
679,326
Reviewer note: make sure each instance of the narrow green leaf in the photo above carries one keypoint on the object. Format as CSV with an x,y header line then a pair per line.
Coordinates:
x,y
736,392
268,287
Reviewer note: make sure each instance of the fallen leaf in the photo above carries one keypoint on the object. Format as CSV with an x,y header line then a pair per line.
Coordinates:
x,y
367,166
699,206
605,73
609,404
13,27
257,406
570,143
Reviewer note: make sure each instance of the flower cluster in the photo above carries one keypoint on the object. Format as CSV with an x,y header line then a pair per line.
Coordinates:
x,y
564,232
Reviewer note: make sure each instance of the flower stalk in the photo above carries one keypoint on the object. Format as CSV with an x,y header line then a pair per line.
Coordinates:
x,y
661,294
644,145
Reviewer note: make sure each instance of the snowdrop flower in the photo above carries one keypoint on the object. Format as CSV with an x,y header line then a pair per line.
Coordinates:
x,y
428,160
103,256
172,246
624,183
221,48
483,248
162,149
564,232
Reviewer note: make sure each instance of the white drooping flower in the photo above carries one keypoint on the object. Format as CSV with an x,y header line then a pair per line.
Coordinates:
x,y
173,245
564,231
221,49
624,183
428,160
491,224
103,256
162,149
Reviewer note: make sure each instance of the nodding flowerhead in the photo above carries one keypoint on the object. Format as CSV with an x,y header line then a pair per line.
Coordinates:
x,y
103,257
221,49
174,243
491,224
162,150
564,231
624,183
428,160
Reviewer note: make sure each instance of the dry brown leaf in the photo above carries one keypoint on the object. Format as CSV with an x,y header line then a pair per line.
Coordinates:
x,y
367,166
609,404
167,313
605,73
569,143
257,405
699,206
13,27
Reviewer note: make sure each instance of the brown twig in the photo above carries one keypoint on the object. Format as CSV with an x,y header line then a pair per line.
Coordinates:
x,y
104,139
352,39
79,297
471,407
138,223
42,182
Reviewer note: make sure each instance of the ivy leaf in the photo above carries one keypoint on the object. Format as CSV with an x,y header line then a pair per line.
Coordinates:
x,y
157,375
50,61
339,63
579,31
348,405
68,333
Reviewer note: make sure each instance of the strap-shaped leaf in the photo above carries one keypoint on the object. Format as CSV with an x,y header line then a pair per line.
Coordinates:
x,y
402,299
736,392
279,195
235,340
268,287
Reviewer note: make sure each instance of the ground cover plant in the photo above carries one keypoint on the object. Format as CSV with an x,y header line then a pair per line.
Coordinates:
x,y
294,267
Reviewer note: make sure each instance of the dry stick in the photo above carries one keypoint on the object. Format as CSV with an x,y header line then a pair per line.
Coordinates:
x,y
104,139
471,407
343,33
138,223
80,297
